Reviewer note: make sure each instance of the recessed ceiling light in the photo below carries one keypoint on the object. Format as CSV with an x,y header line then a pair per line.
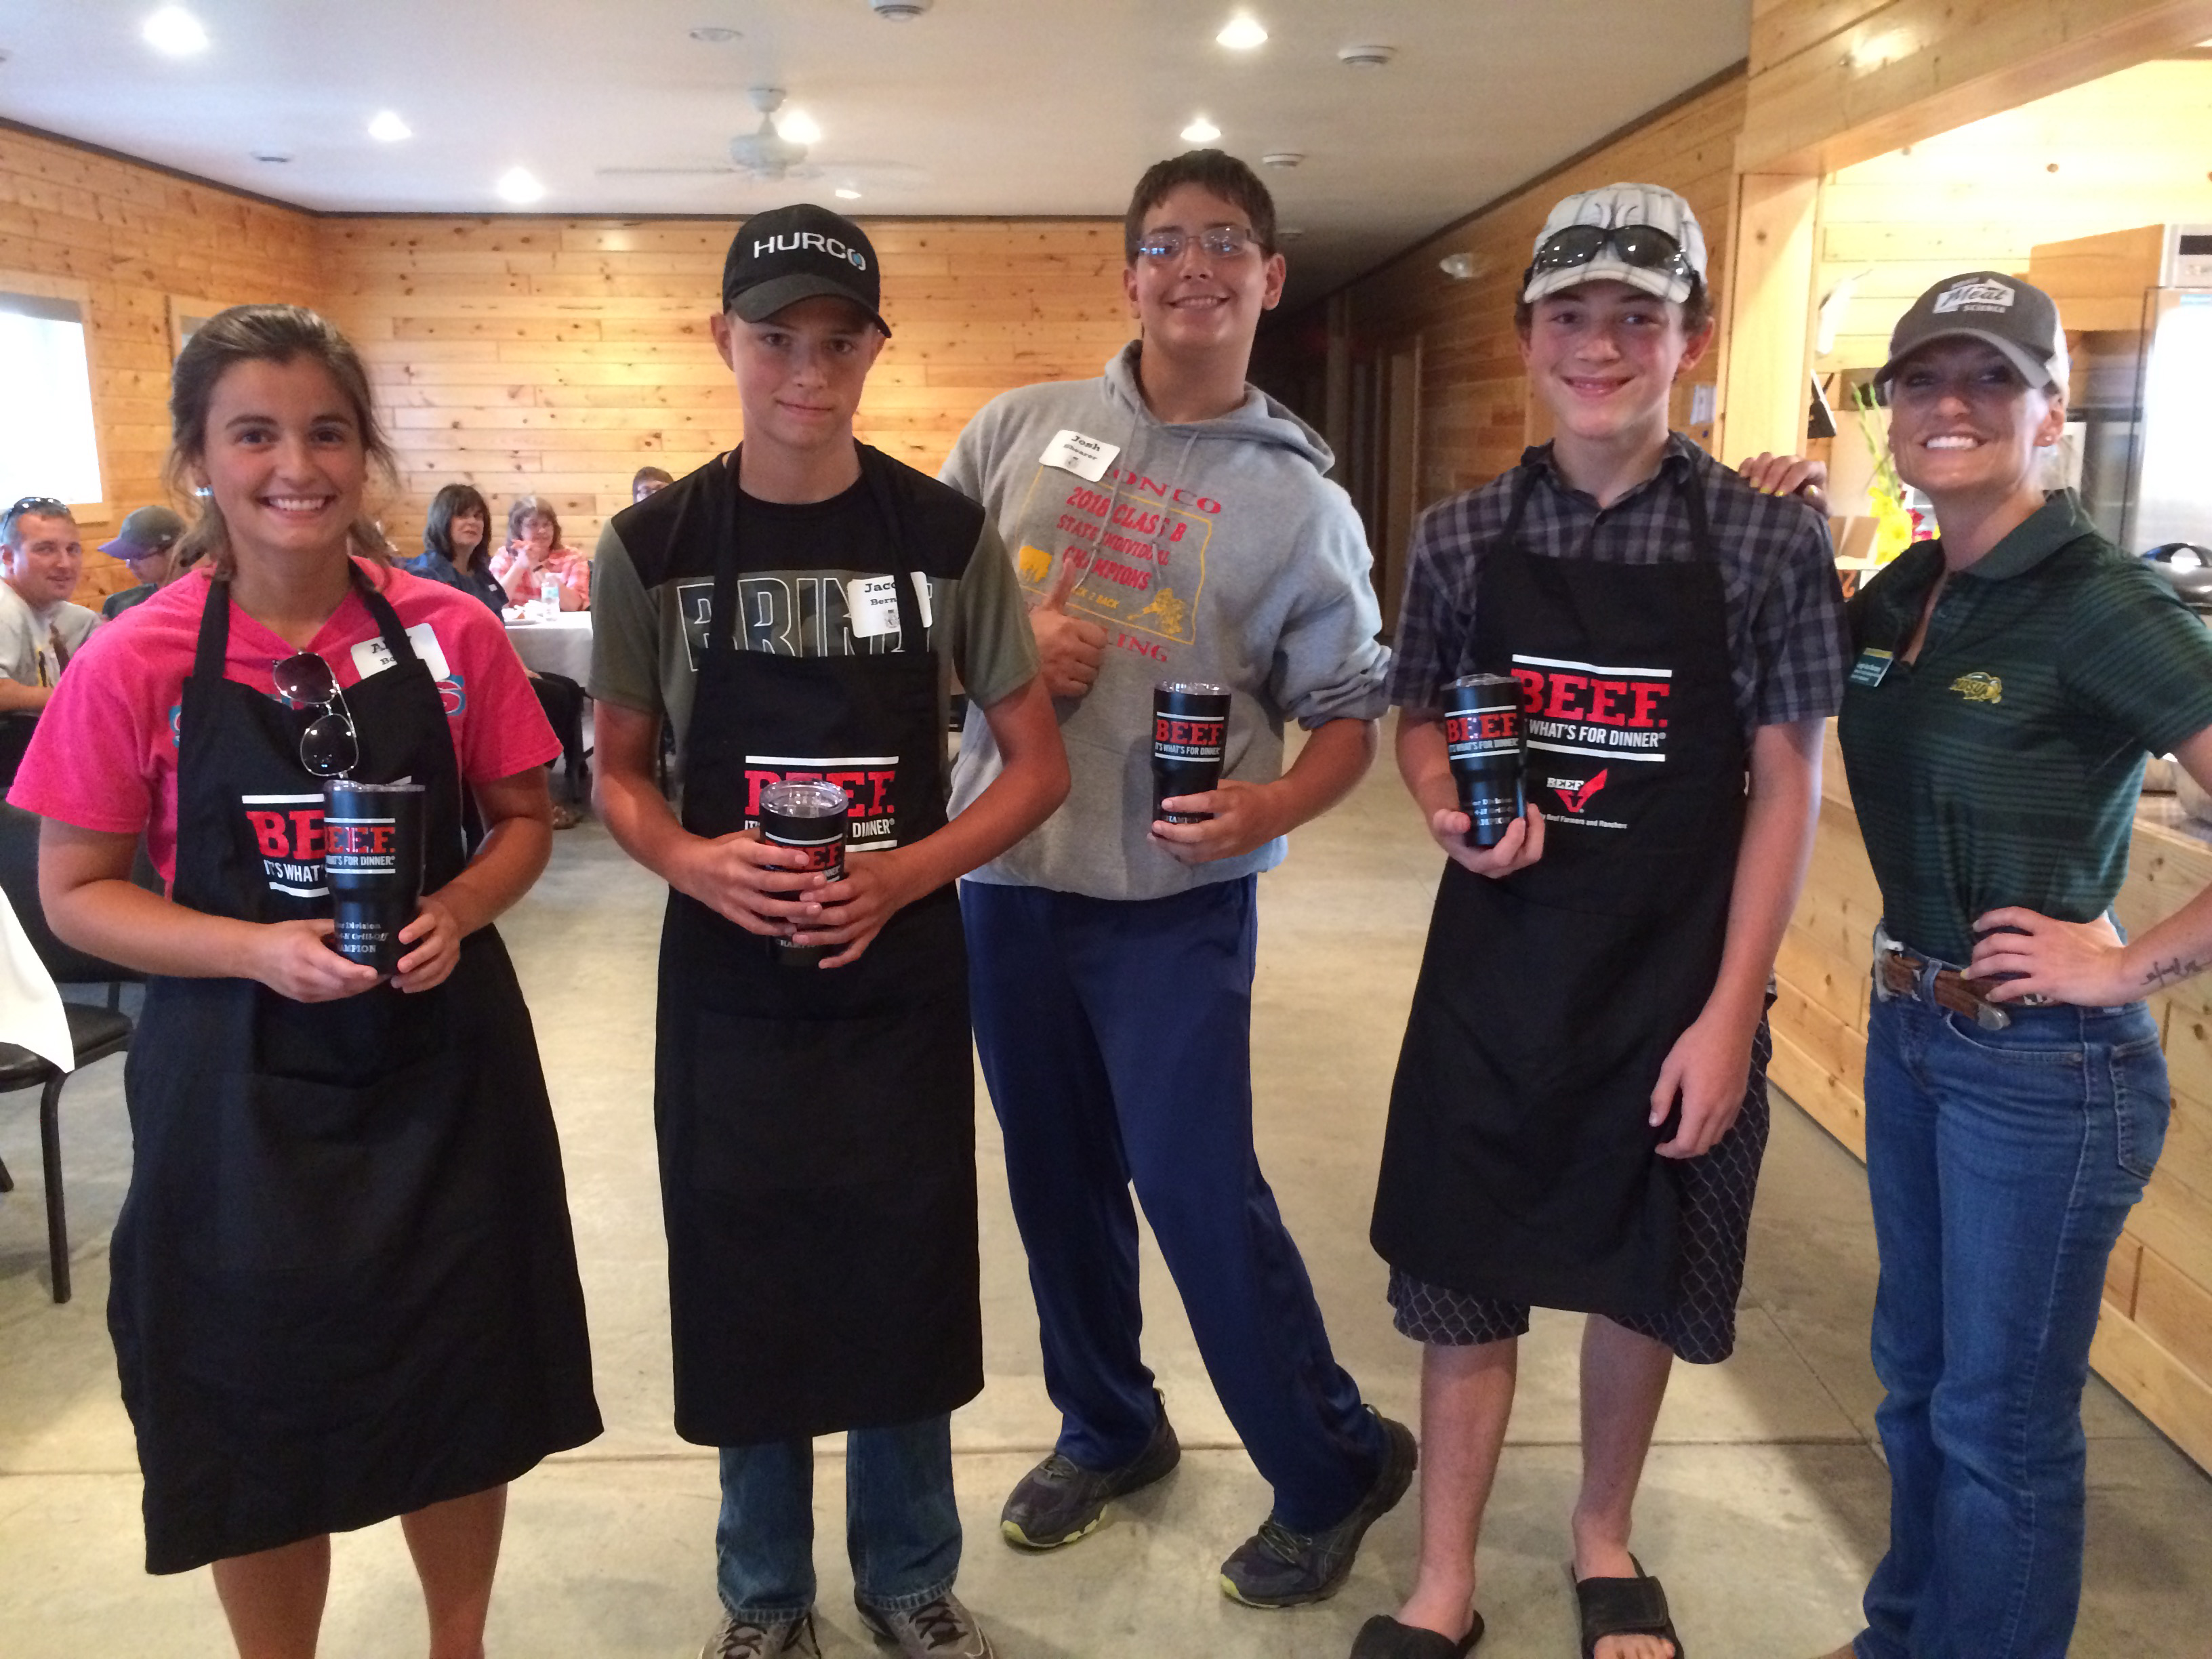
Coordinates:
x,y
388,129
798,126
899,11
1368,55
275,158
1289,232
1282,158
520,187
846,195
1242,34
714,34
1460,267
1202,132
175,31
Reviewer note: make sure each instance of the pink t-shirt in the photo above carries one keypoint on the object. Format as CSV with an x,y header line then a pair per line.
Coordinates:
x,y
104,753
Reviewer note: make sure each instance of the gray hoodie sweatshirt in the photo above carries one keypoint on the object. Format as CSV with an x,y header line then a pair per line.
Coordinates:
x,y
1213,551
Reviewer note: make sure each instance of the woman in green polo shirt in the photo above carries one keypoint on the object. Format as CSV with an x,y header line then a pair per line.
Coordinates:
x,y
2011,677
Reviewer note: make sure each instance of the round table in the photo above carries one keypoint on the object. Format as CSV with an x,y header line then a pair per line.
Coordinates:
x,y
560,646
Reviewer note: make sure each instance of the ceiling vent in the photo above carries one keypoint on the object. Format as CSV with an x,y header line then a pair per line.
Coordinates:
x,y
1365,57
1282,158
899,11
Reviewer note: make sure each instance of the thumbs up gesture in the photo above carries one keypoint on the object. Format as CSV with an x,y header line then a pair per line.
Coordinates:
x,y
1069,648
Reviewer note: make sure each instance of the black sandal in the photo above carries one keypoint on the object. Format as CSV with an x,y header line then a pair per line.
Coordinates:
x,y
1622,1607
1384,1637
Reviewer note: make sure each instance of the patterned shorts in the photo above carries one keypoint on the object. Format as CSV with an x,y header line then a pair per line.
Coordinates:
x,y
1699,1322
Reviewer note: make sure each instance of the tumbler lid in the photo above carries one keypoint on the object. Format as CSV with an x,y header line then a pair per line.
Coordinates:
x,y
1191,687
808,799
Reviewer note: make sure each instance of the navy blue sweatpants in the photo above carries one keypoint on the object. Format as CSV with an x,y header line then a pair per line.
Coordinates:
x,y
1116,1038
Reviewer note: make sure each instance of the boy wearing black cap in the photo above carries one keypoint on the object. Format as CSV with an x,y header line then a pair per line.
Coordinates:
x,y
793,610
1580,1106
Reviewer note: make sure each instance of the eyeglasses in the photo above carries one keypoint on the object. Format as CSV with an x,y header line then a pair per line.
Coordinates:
x,y
329,748
1640,246
1222,241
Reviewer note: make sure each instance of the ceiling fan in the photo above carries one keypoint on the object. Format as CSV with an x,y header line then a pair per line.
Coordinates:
x,y
765,153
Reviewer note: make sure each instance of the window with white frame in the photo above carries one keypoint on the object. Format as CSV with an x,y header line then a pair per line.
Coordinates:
x,y
48,445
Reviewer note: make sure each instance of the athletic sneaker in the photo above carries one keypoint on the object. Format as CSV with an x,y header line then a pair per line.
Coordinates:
x,y
1278,1568
1059,1501
740,1638
942,1629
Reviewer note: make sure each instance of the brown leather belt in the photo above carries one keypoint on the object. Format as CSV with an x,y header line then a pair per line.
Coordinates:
x,y
1899,972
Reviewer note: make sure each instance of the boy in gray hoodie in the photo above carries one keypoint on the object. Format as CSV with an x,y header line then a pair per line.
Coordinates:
x,y
1171,523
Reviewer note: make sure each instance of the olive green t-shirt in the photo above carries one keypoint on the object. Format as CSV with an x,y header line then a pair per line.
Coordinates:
x,y
2002,767
653,579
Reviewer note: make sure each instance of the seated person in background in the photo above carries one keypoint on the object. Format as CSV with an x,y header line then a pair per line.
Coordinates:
x,y
646,480
457,545
533,552
147,543
40,557
456,551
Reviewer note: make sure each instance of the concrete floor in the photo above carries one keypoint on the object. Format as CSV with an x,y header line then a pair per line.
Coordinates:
x,y
1763,1509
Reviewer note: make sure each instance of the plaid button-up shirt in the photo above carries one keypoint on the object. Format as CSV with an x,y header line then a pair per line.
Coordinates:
x,y
1787,640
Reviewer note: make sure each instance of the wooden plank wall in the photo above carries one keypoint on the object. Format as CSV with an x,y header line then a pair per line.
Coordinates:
x,y
1475,416
136,236
2127,150
1835,82
2154,1340
555,356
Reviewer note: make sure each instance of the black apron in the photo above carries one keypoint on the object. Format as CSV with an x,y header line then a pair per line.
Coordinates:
x,y
343,1282
1519,1163
816,1127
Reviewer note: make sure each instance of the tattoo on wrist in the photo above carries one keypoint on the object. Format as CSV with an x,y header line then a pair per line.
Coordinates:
x,y
2173,971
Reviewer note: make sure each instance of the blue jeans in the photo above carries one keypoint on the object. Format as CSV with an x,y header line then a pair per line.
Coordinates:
x,y
2002,1165
1115,1036
902,1528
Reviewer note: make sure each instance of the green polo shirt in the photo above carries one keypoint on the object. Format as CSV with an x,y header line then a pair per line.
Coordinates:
x,y
2002,767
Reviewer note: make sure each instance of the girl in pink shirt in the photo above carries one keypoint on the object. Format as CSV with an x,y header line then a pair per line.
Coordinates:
x,y
342,1283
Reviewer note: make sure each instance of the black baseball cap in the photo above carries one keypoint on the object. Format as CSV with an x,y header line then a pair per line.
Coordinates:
x,y
2017,317
799,253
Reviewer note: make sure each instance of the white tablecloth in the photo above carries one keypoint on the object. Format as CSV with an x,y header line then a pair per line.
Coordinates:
x,y
31,1014
561,646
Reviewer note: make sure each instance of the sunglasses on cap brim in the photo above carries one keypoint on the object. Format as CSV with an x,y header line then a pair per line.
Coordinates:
x,y
1640,247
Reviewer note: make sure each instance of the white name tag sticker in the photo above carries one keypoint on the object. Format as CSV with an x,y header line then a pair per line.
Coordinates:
x,y
1086,458
871,606
372,656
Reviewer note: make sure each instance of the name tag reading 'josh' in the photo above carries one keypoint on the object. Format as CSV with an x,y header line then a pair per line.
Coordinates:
x,y
1086,458
872,605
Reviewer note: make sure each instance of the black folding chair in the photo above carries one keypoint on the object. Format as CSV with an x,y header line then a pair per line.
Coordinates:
x,y
96,1033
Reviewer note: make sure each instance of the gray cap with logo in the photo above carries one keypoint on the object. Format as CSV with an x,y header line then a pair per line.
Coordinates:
x,y
148,530
2017,317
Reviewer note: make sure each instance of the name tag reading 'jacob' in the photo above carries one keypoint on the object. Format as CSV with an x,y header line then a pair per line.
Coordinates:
x,y
872,605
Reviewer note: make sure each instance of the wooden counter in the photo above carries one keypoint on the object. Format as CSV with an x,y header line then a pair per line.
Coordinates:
x,y
2154,1342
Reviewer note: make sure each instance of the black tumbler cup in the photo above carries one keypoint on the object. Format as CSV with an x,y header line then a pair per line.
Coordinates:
x,y
373,860
811,818
1190,730
1483,735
